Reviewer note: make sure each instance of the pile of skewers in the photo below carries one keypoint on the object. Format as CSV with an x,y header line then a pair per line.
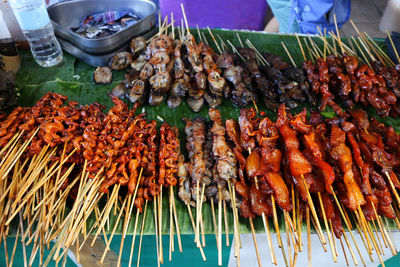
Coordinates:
x,y
59,151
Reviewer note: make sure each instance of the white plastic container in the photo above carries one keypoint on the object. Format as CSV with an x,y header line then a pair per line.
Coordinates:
x,y
391,17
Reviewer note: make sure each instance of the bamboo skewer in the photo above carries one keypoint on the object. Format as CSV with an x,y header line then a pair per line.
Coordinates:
x,y
313,211
346,220
255,241
214,219
157,231
133,238
128,211
159,198
344,252
333,238
308,236
219,243
393,46
226,224
141,235
178,233
203,239
275,220
171,225
372,237
288,239
327,228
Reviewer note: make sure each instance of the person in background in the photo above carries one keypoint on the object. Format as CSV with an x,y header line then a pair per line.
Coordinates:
x,y
307,16
232,14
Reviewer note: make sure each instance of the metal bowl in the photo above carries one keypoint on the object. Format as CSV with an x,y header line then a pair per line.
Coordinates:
x,y
69,14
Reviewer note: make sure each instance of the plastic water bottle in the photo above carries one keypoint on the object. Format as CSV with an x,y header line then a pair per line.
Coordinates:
x,y
35,23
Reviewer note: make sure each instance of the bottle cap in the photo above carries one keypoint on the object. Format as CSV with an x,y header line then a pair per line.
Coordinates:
x,y
4,32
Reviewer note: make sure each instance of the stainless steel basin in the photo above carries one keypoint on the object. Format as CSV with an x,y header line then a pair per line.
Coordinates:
x,y
69,14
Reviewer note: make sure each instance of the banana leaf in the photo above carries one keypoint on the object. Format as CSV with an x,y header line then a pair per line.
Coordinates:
x,y
74,79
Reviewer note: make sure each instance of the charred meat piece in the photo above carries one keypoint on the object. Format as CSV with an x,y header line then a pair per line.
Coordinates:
x,y
120,61
137,94
195,103
212,100
119,90
173,101
160,83
137,44
155,100
102,75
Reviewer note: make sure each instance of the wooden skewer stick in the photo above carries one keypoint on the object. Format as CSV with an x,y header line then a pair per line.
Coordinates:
x,y
141,234
393,46
171,224
391,246
394,191
255,241
126,223
308,236
361,215
21,226
377,235
215,41
6,250
288,239
199,33
156,230
203,238
178,233
159,199
388,60
113,232
197,234
240,40
271,248
301,47
338,34
194,230
327,228
214,219
276,225
133,238
364,58
346,220
313,211
226,224
333,237
266,226
219,243
363,240
15,247
344,252
236,225
184,17
385,242
289,55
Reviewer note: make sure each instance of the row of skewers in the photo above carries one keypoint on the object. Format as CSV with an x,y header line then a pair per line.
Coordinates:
x,y
295,162
170,69
58,151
